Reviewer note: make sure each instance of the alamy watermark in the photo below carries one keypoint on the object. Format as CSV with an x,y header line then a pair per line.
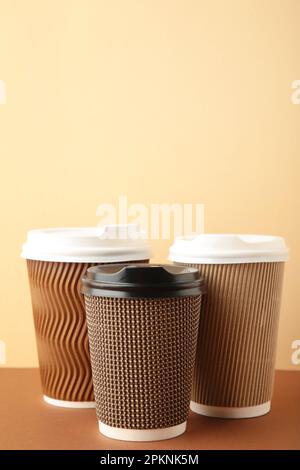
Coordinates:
x,y
2,92
295,358
295,97
163,221
2,352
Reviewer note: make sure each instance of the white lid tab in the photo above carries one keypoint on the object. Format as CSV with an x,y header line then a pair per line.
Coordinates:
x,y
228,249
106,244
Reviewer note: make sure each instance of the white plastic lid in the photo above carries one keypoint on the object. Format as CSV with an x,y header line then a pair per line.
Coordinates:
x,y
107,244
228,249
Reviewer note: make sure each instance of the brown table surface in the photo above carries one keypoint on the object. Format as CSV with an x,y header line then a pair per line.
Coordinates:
x,y
26,422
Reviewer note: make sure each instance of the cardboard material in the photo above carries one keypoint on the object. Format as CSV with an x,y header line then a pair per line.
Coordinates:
x,y
237,335
142,355
61,332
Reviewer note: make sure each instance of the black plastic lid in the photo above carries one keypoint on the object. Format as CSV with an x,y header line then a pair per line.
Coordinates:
x,y
142,280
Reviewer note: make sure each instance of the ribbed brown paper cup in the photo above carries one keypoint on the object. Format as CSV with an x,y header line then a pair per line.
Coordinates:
x,y
142,326
55,262
236,349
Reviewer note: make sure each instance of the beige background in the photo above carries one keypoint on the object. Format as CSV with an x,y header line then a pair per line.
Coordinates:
x,y
160,100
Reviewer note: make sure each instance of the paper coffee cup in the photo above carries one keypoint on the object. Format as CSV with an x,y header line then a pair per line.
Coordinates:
x,y
235,361
142,325
57,259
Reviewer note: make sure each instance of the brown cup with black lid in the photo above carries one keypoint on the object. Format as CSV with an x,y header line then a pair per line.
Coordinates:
x,y
142,327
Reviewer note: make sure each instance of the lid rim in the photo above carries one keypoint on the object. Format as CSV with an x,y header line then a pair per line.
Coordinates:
x,y
91,259
87,244
142,280
228,260
228,249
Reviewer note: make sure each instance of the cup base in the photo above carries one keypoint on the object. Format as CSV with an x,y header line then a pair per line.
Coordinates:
x,y
140,435
69,404
231,412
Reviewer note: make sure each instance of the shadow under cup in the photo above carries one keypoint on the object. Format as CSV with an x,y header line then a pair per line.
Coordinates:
x,y
61,332
58,307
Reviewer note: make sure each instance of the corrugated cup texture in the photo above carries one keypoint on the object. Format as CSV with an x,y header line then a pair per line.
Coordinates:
x,y
142,354
61,332
237,334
